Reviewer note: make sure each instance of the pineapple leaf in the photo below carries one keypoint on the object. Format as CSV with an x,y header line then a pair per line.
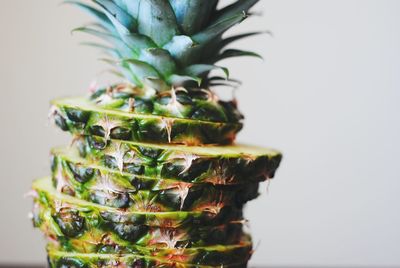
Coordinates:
x,y
141,70
109,50
114,12
179,47
134,42
160,59
218,29
240,6
179,80
229,53
192,15
222,84
109,61
157,84
164,43
137,41
234,38
121,46
157,20
131,7
97,14
125,70
219,78
116,73
200,69
124,23
103,35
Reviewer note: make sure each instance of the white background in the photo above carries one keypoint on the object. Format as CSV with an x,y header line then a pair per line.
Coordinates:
x,y
327,95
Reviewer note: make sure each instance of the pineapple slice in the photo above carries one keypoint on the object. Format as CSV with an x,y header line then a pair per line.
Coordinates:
x,y
210,164
58,259
81,116
48,196
75,227
78,177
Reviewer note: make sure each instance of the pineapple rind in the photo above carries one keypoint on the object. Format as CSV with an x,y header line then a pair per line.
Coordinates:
x,y
58,259
200,104
65,227
80,116
211,255
83,169
48,196
217,165
111,188
81,230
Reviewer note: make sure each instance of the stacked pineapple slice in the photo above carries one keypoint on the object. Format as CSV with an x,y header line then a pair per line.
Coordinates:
x,y
152,178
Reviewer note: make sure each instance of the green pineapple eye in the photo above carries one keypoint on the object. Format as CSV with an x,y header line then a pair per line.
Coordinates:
x,y
152,153
61,122
96,142
70,222
143,106
77,115
105,198
184,98
136,169
120,133
130,232
114,217
97,130
53,163
177,169
82,174
140,184
208,111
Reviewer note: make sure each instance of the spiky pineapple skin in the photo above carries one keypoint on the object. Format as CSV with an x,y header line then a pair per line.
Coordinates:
x,y
189,164
83,170
79,230
60,259
73,228
213,255
46,195
111,188
195,104
80,116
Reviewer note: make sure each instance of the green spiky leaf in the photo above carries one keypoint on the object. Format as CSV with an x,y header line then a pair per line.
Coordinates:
x,y
180,80
241,6
160,59
230,53
218,28
116,13
142,70
200,69
192,15
100,17
157,20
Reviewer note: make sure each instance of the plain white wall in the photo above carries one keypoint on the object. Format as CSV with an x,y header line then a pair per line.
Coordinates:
x,y
327,95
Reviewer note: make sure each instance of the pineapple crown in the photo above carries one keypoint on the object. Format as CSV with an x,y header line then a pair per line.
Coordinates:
x,y
167,43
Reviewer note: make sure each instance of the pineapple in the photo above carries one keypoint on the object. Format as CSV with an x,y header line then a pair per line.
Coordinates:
x,y
152,178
